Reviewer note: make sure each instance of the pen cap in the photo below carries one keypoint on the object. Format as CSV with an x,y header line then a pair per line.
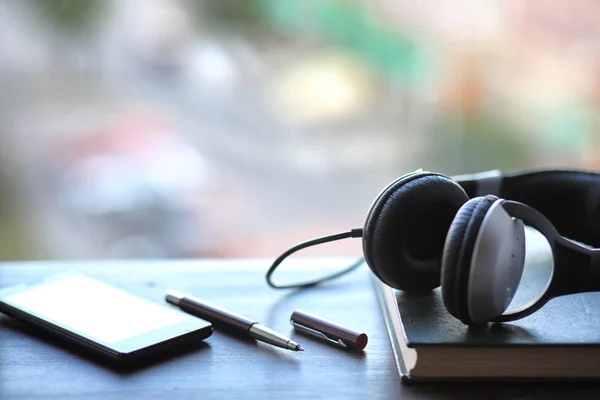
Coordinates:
x,y
329,329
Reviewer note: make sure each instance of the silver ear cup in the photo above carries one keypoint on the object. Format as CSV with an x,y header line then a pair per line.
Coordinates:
x,y
497,264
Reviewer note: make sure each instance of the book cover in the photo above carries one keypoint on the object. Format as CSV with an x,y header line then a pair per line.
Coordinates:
x,y
560,341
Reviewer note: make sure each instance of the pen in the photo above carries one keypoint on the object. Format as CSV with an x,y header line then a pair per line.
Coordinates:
x,y
228,320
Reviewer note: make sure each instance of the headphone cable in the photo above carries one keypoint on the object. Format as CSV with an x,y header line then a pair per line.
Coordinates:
x,y
353,233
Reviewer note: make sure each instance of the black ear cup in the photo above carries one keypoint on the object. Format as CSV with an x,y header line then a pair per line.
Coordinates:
x,y
405,230
458,250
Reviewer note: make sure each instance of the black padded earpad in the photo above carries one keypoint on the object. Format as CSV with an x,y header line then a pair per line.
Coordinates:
x,y
456,261
405,230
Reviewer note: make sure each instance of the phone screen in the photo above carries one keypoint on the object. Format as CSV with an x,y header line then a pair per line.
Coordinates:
x,y
95,309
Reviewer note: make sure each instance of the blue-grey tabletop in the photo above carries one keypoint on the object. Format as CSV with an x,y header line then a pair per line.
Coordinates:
x,y
34,365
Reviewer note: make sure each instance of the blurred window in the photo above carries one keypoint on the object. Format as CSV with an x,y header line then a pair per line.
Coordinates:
x,y
181,128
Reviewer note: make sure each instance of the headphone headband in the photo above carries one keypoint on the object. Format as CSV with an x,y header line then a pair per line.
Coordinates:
x,y
570,199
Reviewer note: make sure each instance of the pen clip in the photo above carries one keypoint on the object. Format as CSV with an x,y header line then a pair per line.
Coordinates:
x,y
314,332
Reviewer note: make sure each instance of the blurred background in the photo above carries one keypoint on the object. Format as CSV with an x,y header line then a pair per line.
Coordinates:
x,y
181,129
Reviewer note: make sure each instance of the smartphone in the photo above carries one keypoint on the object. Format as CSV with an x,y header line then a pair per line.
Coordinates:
x,y
105,319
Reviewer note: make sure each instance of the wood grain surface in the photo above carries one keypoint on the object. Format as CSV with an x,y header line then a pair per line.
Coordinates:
x,y
33,365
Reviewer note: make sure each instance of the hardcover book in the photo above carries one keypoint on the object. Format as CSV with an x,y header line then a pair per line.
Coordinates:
x,y
560,341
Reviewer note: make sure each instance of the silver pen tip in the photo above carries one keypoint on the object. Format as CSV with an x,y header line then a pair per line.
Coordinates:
x,y
291,345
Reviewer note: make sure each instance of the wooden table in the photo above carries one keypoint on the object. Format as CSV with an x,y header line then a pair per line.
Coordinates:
x,y
225,366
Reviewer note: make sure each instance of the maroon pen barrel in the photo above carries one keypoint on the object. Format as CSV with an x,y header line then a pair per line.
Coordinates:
x,y
331,330
219,317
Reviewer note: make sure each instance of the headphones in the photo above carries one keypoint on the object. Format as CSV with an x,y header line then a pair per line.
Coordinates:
x,y
466,234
